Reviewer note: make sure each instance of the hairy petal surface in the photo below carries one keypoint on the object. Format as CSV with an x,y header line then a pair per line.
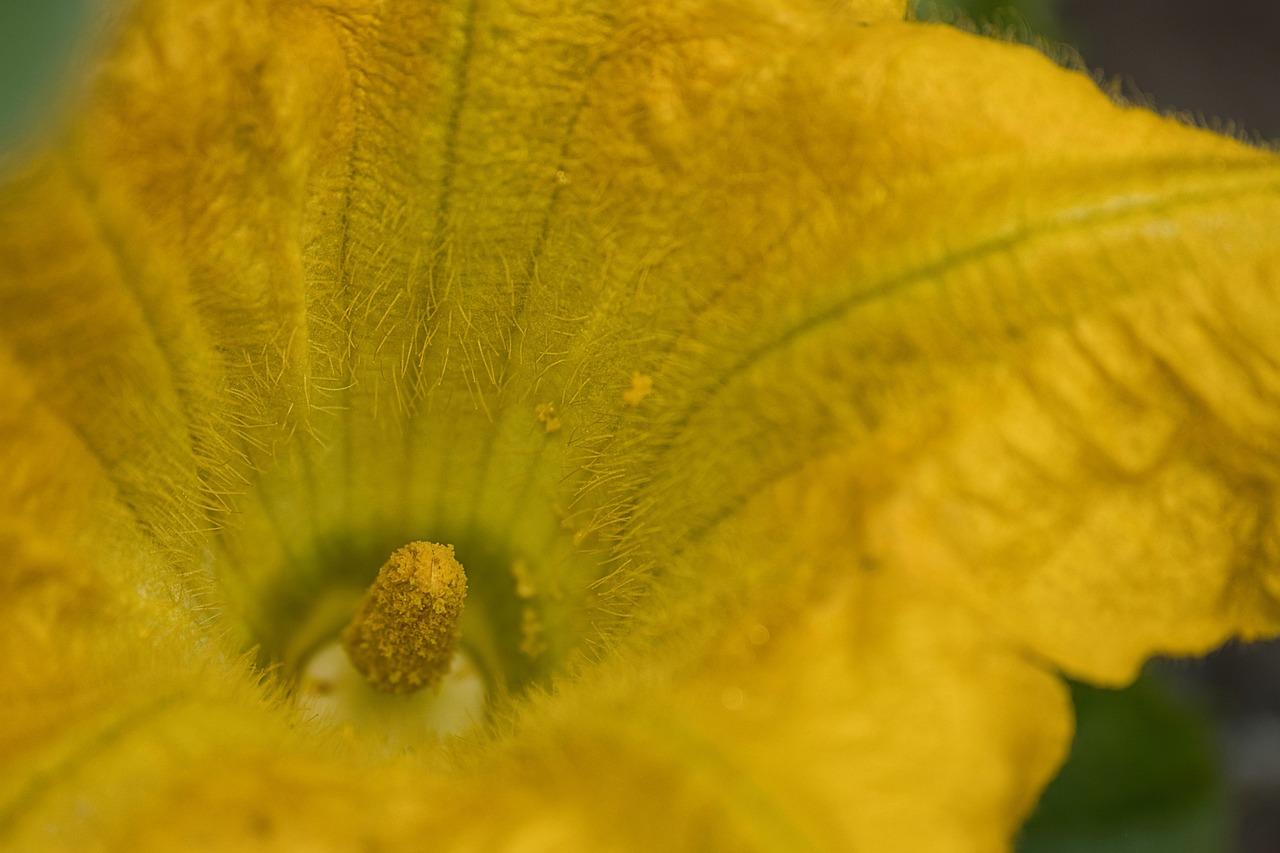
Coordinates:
x,y
801,387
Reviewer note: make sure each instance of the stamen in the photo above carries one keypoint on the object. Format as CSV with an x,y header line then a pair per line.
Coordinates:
x,y
403,634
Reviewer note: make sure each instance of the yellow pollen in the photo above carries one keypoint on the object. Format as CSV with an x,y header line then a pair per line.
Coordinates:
x,y
403,635
641,387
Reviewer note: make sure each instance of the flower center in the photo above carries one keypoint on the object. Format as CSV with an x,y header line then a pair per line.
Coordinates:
x,y
397,672
296,582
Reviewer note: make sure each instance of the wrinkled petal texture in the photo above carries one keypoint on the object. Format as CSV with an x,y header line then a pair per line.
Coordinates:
x,y
838,380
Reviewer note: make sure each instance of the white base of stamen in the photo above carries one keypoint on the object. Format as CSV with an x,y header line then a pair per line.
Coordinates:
x,y
335,694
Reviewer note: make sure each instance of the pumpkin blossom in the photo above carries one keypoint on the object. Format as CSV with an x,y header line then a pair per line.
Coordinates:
x,y
805,390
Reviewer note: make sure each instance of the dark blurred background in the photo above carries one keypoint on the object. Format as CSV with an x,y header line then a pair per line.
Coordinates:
x,y
1188,759
1217,61
1212,59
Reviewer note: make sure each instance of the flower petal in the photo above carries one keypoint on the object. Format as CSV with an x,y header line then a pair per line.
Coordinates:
x,y
1045,313
759,308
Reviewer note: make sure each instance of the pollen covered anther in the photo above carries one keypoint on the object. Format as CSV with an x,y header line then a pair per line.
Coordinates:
x,y
404,633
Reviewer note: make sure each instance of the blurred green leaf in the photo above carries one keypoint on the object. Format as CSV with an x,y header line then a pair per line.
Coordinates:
x,y
1142,777
38,39
1025,20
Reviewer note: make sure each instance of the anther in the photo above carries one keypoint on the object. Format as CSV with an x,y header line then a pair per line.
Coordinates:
x,y
404,633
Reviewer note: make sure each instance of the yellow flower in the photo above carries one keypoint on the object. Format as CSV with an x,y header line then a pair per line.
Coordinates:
x,y
802,389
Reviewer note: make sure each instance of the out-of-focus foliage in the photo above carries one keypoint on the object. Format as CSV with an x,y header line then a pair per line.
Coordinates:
x,y
1024,19
37,43
1142,778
